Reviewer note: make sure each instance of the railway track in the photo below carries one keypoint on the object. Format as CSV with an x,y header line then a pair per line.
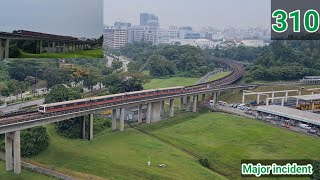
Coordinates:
x,y
237,71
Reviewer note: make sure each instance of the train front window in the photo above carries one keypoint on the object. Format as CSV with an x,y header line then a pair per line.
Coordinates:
x,y
41,108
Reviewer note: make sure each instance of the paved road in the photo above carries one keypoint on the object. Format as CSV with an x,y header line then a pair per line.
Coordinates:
x,y
17,107
41,91
125,61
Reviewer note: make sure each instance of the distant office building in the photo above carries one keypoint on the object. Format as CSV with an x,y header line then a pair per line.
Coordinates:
x,y
145,17
139,33
174,33
122,24
115,37
186,28
152,32
192,35
163,36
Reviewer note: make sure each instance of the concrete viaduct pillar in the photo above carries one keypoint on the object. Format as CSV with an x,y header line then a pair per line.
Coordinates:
x,y
214,98
140,113
195,101
83,127
149,109
40,46
171,113
181,104
121,119
1,49
54,47
203,98
12,144
188,103
9,149
64,47
4,48
156,107
163,111
90,127
114,119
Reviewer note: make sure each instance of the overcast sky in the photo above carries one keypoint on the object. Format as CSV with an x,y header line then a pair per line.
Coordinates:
x,y
79,18
196,13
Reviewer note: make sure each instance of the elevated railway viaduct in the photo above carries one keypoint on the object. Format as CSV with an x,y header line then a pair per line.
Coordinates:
x,y
12,125
49,42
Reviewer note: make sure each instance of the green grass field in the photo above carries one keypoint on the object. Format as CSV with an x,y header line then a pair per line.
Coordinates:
x,y
25,175
218,76
170,82
225,139
121,155
95,53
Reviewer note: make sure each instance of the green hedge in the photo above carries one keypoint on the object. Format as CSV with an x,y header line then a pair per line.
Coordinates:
x,y
71,128
33,141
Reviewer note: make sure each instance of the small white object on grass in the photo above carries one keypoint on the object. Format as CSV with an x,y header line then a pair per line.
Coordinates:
x,y
162,165
149,162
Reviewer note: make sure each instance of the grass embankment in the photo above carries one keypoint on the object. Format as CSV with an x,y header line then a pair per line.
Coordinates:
x,y
178,81
170,82
95,53
218,76
121,155
225,139
25,175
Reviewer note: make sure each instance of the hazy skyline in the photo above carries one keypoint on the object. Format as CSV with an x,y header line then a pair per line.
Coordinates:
x,y
79,18
201,13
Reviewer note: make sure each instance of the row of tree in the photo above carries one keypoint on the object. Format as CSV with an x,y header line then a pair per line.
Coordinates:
x,y
281,60
167,60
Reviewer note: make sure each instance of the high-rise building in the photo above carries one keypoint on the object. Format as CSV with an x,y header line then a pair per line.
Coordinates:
x,y
139,33
115,37
145,17
152,32
122,24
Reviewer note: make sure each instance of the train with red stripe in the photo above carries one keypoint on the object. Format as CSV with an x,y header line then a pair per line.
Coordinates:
x,y
109,99
237,71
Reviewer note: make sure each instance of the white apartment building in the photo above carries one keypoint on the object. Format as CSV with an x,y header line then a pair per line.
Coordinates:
x,y
115,37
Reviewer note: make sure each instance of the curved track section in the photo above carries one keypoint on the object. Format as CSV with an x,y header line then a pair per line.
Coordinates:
x,y
237,71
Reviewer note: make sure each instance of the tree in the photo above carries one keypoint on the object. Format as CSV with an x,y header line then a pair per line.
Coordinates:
x,y
19,69
4,91
159,66
106,71
33,141
14,51
54,75
125,82
133,81
91,80
61,93
116,64
113,83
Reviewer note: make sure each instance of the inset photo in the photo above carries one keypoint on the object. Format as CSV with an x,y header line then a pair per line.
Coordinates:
x,y
51,29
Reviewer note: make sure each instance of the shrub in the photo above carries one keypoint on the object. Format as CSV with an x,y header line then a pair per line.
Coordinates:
x,y
33,141
204,162
71,128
